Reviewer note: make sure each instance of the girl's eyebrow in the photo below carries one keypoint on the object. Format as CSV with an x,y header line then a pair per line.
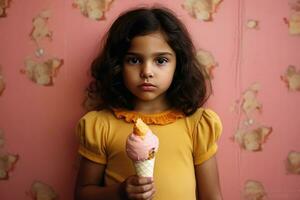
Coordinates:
x,y
154,54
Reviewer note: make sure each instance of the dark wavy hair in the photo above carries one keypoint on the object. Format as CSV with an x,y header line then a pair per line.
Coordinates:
x,y
190,87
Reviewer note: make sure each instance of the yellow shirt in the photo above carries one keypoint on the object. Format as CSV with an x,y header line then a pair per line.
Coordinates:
x,y
184,141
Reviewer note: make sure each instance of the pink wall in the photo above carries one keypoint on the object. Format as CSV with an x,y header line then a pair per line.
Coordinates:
x,y
38,122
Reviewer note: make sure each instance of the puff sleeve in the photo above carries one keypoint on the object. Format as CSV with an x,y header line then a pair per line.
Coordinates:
x,y
206,133
91,133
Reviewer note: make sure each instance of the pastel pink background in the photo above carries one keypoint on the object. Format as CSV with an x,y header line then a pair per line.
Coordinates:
x,y
39,121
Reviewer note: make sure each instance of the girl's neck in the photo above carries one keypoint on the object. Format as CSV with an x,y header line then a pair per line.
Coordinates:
x,y
150,107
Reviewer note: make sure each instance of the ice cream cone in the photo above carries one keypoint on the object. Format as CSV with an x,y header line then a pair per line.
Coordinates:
x,y
144,168
141,148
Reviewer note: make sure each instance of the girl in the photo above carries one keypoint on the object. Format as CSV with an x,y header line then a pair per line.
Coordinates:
x,y
147,69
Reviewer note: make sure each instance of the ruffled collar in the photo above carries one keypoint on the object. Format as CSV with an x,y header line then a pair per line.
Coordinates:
x,y
165,117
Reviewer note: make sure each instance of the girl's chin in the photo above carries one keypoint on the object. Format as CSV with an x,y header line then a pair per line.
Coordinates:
x,y
145,98
150,97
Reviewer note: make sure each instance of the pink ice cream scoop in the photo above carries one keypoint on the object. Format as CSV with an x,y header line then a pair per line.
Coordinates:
x,y
142,144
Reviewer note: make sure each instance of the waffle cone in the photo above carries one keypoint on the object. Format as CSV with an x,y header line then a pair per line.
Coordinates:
x,y
144,168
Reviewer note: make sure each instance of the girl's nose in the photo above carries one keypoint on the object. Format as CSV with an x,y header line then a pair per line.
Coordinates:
x,y
146,71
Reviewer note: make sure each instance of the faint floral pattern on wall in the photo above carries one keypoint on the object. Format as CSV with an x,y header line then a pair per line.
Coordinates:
x,y
252,24
201,9
7,160
4,4
207,60
293,163
41,70
254,190
292,78
93,9
250,133
294,20
42,73
42,191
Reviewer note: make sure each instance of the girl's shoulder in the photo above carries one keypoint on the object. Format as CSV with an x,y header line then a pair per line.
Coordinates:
x,y
205,132
101,120
204,112
205,116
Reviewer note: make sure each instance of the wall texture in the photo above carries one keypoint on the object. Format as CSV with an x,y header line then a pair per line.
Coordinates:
x,y
261,123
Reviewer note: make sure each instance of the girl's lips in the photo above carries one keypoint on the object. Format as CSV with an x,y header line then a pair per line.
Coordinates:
x,y
147,87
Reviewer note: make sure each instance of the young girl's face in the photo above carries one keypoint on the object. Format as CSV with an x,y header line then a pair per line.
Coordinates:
x,y
148,68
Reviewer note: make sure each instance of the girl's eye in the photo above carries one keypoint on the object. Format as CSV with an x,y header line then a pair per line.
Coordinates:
x,y
133,60
161,60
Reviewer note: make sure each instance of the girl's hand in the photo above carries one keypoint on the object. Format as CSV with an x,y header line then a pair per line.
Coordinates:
x,y
139,188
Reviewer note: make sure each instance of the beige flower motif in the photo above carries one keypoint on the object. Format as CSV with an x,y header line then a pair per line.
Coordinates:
x,y
42,73
42,191
93,9
250,102
292,78
253,139
293,162
7,162
40,28
201,9
252,24
206,59
4,4
254,190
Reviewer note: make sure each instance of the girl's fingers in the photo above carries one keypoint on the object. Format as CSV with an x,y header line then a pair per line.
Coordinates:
x,y
140,180
139,189
142,196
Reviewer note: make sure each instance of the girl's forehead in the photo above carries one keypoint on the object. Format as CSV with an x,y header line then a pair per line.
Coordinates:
x,y
158,36
150,42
